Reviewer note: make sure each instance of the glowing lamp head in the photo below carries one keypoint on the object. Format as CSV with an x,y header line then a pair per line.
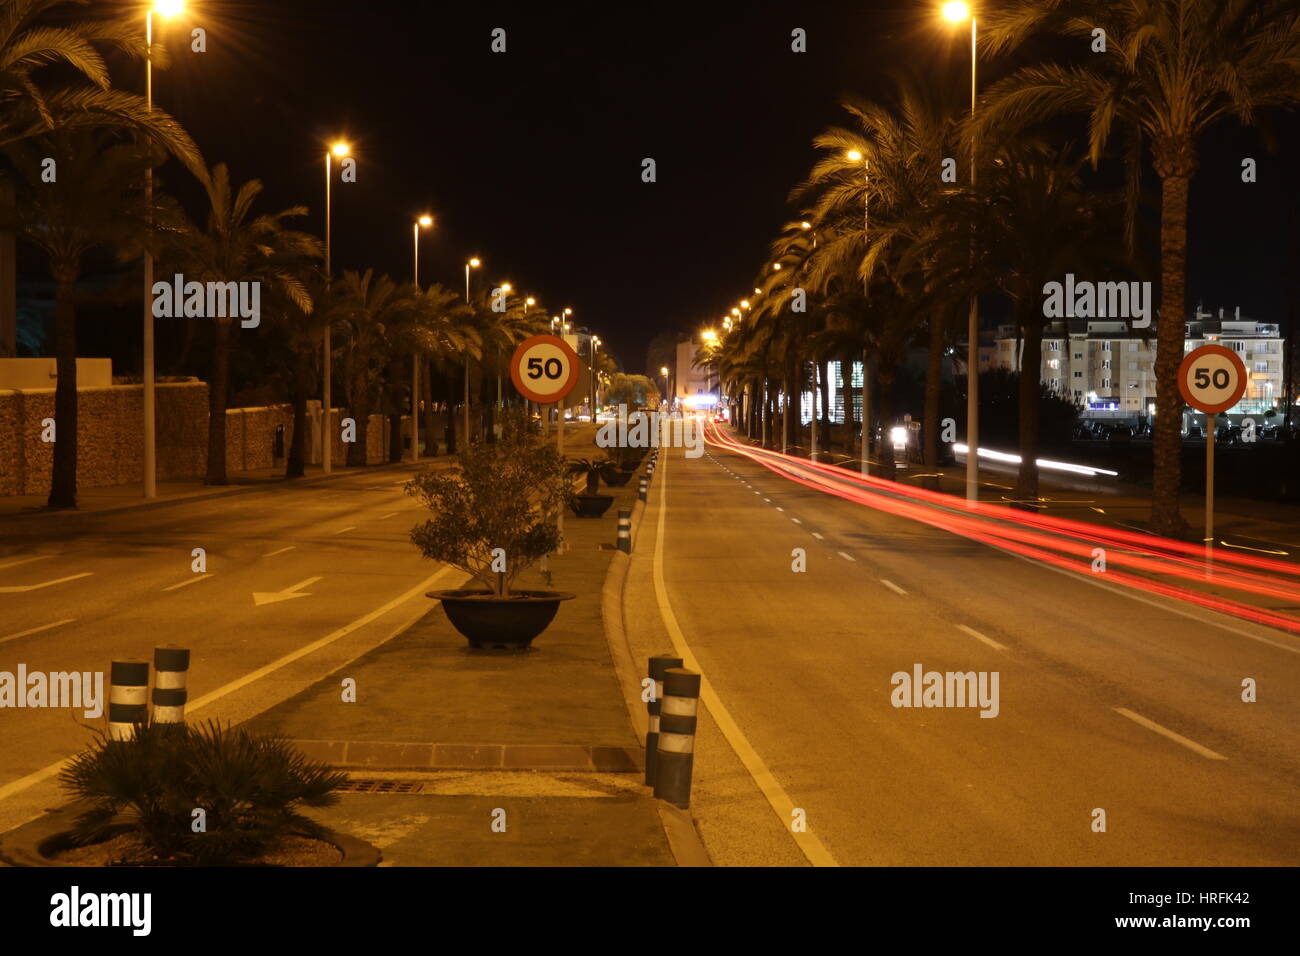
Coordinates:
x,y
168,8
568,312
853,156
805,225
340,149
426,221
956,12
776,267
530,301
734,312
709,335
744,303
506,287
757,292
663,369
474,263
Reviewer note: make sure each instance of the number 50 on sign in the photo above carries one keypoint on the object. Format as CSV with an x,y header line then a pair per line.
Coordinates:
x,y
544,369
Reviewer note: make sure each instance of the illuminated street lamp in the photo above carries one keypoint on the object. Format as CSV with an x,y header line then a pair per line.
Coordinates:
x,y
164,9
473,263
958,12
424,222
339,149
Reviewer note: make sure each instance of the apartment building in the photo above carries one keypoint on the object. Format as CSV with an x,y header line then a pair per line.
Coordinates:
x,y
1109,370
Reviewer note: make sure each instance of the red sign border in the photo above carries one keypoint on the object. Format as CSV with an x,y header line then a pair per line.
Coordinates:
x,y
1191,357
528,393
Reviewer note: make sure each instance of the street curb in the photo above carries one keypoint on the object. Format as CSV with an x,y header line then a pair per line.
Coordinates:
x,y
679,826
205,496
388,755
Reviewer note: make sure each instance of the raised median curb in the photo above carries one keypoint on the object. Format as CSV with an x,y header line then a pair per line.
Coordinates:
x,y
679,826
386,755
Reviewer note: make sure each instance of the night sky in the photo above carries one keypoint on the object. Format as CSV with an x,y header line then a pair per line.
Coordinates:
x,y
531,159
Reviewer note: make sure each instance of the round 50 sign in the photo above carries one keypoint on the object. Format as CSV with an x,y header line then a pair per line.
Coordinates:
x,y
1212,379
544,369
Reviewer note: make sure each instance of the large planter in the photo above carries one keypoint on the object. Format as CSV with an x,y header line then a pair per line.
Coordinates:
x,y
617,479
35,843
506,623
591,506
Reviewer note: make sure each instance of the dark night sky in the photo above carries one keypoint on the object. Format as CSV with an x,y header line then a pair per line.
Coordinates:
x,y
531,159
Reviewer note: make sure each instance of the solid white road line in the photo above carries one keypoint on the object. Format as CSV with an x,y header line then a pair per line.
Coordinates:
x,y
272,554
1166,732
893,587
22,783
777,798
44,584
845,556
186,583
980,637
37,630
14,564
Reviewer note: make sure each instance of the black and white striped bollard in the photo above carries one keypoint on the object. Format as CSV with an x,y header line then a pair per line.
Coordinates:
x,y
128,698
676,755
658,665
641,492
625,530
171,667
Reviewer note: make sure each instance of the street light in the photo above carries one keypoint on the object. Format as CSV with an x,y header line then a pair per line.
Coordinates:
x,y
958,12
423,222
164,9
473,263
339,149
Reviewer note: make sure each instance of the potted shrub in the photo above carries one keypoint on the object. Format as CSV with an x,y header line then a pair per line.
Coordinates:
x,y
494,517
592,504
137,803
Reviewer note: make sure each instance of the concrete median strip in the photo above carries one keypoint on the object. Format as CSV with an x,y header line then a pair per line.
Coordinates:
x,y
372,754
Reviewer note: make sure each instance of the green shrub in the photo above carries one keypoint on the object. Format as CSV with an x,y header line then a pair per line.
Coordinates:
x,y
250,786
501,495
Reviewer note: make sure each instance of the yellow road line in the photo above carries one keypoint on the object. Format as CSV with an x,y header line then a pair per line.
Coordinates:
x,y
777,798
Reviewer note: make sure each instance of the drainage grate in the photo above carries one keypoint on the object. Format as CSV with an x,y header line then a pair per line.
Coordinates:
x,y
382,786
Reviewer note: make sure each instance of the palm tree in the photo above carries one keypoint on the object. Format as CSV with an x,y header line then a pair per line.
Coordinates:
x,y
234,246
77,94
369,306
1172,68
94,201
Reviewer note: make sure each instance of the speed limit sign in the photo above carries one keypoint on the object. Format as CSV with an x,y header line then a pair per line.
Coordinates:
x,y
1212,379
544,369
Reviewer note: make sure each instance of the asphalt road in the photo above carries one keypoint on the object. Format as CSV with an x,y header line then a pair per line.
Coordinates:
x,y
288,566
1109,700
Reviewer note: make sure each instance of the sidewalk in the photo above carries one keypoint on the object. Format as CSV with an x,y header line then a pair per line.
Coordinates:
x,y
444,739
124,497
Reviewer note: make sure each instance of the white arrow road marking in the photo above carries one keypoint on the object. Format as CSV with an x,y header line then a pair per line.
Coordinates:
x,y
270,597
44,584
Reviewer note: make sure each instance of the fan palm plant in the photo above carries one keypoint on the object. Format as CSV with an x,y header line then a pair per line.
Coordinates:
x,y
1171,70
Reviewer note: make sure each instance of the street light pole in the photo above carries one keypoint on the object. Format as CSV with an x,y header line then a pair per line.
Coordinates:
x,y
165,8
425,221
339,149
472,264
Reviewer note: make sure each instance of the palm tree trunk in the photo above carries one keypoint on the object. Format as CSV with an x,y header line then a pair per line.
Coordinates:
x,y
426,386
846,399
867,427
888,373
217,397
1175,162
452,396
63,484
1030,365
824,422
359,406
296,465
785,416
933,381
